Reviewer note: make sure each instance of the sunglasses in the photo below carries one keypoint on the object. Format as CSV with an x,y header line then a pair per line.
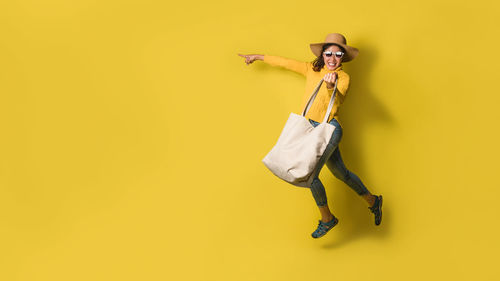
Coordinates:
x,y
330,53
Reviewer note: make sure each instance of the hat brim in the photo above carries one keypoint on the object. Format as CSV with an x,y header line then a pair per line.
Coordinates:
x,y
351,52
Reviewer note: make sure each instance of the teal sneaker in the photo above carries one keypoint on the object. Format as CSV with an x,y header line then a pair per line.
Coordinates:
x,y
376,209
324,227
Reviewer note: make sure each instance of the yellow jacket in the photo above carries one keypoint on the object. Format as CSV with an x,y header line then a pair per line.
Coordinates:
x,y
318,108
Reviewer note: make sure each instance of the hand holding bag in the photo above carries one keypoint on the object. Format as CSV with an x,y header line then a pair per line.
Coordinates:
x,y
300,146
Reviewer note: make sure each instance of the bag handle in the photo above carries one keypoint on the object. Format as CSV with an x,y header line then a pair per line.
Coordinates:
x,y
313,97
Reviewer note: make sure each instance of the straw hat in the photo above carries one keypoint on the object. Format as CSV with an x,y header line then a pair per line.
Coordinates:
x,y
339,40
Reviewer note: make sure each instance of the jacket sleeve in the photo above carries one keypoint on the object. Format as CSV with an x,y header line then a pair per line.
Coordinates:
x,y
342,87
290,64
342,84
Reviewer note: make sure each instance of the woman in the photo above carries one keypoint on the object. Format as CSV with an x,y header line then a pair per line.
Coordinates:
x,y
328,65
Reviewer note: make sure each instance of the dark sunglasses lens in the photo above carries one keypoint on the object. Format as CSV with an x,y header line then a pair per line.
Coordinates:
x,y
328,54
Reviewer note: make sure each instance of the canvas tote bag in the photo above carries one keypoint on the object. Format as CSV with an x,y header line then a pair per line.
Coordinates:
x,y
300,146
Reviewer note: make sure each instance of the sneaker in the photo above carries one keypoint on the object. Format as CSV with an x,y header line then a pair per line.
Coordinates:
x,y
376,209
324,227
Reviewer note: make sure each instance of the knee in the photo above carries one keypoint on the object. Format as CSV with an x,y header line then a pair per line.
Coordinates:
x,y
315,182
342,175
338,129
336,137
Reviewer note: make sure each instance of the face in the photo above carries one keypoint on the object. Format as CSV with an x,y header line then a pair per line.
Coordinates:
x,y
332,62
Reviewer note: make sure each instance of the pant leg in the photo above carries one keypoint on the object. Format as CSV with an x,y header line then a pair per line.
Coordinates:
x,y
318,192
338,169
317,188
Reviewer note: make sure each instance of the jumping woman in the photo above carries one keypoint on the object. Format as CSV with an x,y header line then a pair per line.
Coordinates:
x,y
330,55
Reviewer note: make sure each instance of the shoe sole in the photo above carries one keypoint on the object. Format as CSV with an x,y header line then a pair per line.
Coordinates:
x,y
380,207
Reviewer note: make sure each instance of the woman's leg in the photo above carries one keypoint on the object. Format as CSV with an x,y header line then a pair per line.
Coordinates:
x,y
338,169
317,188
319,194
334,162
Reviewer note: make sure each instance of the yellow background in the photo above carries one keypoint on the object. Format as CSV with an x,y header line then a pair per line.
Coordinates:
x,y
132,136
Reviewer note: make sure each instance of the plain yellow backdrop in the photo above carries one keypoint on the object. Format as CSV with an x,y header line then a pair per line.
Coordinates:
x,y
132,136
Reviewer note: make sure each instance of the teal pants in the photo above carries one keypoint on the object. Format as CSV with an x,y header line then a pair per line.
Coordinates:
x,y
334,162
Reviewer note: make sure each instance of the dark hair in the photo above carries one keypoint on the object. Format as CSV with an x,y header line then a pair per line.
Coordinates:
x,y
319,62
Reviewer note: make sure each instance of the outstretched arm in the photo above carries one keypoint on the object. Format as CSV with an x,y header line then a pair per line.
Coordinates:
x,y
290,64
251,58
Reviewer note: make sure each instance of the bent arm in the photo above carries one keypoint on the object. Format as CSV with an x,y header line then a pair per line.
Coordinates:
x,y
290,64
342,84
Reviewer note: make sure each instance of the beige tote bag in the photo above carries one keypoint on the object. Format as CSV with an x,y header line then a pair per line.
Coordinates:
x,y
296,154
